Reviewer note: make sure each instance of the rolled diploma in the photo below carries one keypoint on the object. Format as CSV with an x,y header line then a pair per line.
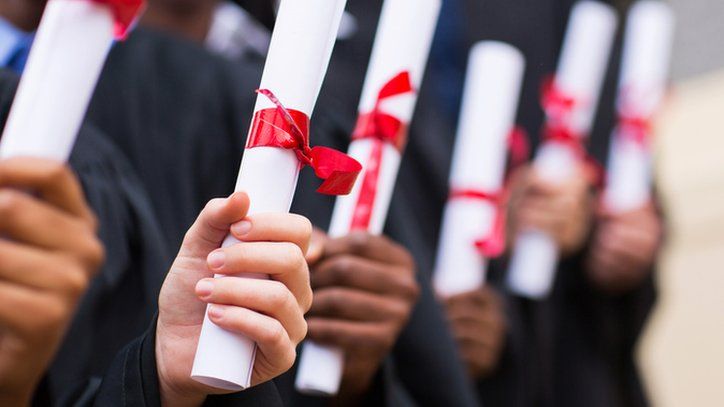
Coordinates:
x,y
63,67
644,74
581,71
490,103
299,53
402,43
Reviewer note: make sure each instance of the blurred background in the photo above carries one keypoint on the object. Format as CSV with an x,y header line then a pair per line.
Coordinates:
x,y
682,351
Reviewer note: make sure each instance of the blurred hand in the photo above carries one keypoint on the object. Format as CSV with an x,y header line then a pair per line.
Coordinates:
x,y
561,210
49,253
624,248
270,312
478,323
364,292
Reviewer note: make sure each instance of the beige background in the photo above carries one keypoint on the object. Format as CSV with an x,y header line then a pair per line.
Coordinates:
x,y
682,352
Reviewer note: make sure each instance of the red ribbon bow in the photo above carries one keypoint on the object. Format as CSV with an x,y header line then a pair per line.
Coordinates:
x,y
289,129
558,107
381,128
492,245
125,13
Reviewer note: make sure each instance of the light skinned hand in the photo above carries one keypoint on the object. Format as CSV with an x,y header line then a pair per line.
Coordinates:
x,y
269,312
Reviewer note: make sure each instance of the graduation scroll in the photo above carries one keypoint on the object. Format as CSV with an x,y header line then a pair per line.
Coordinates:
x,y
570,102
644,73
471,222
63,67
389,96
277,148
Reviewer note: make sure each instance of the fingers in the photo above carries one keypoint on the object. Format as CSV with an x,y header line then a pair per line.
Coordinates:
x,y
212,225
347,334
28,220
283,261
270,298
354,305
316,247
18,303
363,244
37,270
274,227
362,274
268,333
54,182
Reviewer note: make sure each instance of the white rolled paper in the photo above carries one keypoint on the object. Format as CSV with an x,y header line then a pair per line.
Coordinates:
x,y
644,75
402,44
581,72
490,102
63,67
299,53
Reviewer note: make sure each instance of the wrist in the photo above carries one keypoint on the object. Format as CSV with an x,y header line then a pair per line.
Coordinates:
x,y
171,390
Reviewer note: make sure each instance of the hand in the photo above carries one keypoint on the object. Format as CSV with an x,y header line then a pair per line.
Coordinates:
x,y
49,253
269,312
562,210
624,248
478,324
364,291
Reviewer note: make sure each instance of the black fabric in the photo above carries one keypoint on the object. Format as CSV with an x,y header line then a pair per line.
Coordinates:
x,y
174,111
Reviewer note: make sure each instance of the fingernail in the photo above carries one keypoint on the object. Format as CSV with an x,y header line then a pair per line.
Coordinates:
x,y
240,229
204,288
216,260
215,312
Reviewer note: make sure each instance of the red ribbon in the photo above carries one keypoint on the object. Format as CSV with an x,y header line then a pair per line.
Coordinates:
x,y
383,129
492,245
289,129
125,13
558,107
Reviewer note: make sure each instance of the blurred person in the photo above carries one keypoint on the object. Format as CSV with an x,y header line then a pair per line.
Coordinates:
x,y
44,272
120,305
372,358
577,346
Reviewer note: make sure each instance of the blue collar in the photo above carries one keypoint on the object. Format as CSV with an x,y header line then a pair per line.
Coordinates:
x,y
12,40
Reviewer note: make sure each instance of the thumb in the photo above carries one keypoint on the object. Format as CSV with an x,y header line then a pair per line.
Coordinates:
x,y
316,246
212,225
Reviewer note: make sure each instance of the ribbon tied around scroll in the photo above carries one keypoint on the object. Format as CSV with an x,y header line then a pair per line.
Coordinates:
x,y
383,129
289,129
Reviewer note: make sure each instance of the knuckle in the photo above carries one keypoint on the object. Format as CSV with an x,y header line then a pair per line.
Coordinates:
x,y
341,269
359,241
274,334
10,202
294,257
58,173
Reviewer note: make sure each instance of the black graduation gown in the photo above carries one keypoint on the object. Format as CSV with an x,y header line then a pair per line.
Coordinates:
x,y
120,302
576,348
187,149
425,357
166,105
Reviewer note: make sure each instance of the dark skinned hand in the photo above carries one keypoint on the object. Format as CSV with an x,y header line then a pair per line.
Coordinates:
x,y
364,291
479,327
624,248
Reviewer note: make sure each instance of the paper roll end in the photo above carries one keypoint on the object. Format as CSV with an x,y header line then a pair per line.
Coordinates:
x,y
218,383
